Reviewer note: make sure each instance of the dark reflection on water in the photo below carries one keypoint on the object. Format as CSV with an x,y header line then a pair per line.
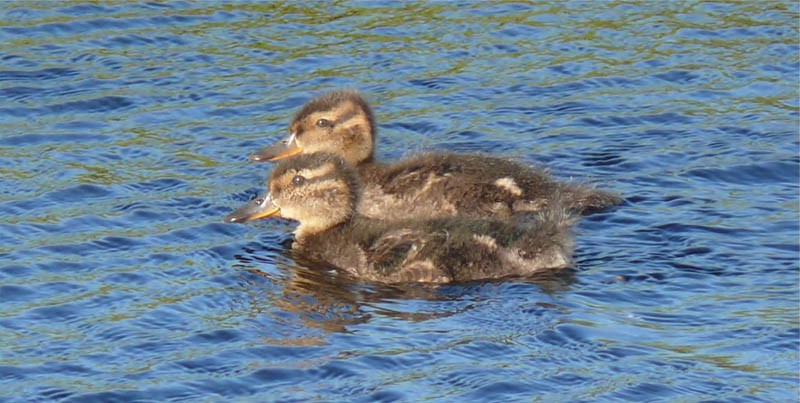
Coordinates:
x,y
124,131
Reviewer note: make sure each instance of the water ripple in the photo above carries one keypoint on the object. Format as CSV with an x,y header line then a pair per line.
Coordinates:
x,y
124,139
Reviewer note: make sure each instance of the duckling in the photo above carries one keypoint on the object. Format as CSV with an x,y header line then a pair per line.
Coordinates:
x,y
429,185
321,192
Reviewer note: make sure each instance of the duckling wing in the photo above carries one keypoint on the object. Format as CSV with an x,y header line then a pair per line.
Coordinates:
x,y
403,255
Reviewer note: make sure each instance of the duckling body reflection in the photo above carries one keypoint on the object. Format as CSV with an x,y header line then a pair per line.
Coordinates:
x,y
321,192
430,185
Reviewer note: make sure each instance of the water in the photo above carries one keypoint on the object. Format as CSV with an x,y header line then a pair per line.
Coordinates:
x,y
124,131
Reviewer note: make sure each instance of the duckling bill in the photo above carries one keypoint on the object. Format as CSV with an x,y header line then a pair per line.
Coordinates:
x,y
431,185
321,192
259,208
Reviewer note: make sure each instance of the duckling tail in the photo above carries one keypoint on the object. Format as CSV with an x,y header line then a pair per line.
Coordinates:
x,y
585,199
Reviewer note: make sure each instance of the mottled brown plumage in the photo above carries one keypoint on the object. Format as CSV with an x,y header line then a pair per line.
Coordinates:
x,y
320,191
429,185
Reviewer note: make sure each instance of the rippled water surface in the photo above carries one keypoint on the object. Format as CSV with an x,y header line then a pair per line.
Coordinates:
x,y
124,131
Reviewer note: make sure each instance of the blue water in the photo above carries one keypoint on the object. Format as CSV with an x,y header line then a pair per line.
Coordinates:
x,y
124,132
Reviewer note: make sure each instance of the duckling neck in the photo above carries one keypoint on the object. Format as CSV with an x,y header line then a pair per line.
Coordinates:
x,y
307,234
305,231
369,171
365,164
369,160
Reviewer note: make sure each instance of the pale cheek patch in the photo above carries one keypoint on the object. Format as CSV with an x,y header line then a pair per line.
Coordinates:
x,y
311,173
357,120
510,185
486,241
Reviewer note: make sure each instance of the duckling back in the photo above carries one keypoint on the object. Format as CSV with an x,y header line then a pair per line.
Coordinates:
x,y
489,249
443,184
446,250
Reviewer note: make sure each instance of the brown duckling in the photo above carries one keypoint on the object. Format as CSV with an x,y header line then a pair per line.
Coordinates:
x,y
320,191
429,185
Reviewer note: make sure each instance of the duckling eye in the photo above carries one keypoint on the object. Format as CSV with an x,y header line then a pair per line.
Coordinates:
x,y
298,180
323,123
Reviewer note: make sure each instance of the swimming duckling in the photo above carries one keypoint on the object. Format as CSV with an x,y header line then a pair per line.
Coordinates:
x,y
429,185
321,192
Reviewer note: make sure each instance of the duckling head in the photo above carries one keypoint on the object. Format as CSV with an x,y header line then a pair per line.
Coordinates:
x,y
318,190
338,122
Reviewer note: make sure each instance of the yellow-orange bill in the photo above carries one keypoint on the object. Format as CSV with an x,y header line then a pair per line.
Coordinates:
x,y
278,151
261,207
